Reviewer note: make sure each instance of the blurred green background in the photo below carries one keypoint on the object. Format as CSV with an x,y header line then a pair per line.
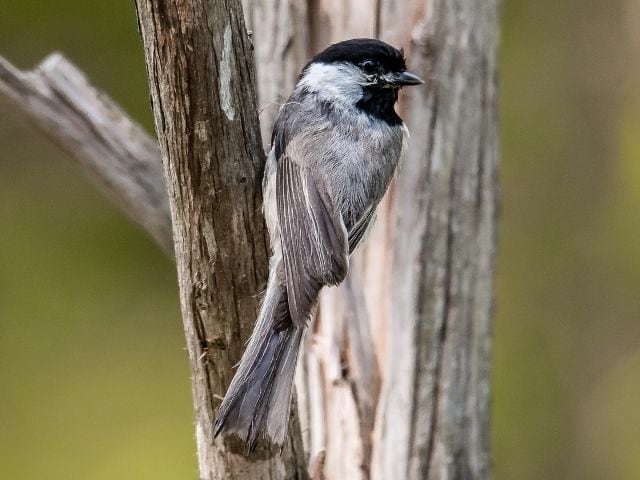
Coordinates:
x,y
93,373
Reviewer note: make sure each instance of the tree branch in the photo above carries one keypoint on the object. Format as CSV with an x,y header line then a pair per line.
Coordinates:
x,y
119,156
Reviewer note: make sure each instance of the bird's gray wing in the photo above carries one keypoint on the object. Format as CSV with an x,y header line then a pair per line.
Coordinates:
x,y
312,232
360,229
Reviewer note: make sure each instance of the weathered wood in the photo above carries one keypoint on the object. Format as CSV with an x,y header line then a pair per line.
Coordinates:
x,y
408,336
113,149
279,33
201,77
433,418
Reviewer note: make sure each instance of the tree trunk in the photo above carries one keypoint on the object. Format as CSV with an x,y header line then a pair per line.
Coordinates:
x,y
200,70
435,398
394,381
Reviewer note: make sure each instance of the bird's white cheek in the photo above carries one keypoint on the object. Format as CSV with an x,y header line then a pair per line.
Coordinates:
x,y
341,83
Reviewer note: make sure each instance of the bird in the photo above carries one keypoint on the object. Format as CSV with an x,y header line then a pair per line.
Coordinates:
x,y
335,146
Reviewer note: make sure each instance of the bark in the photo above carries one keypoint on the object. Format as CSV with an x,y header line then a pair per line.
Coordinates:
x,y
394,382
201,76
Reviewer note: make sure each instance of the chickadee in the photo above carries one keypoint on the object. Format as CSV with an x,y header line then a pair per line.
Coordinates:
x,y
334,150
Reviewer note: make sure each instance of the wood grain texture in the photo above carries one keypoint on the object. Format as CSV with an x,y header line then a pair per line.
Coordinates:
x,y
201,76
433,417
280,38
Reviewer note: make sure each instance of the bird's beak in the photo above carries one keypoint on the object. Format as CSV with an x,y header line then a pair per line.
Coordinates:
x,y
403,79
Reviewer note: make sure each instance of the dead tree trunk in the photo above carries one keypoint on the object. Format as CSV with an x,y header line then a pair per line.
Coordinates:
x,y
394,382
435,397
201,76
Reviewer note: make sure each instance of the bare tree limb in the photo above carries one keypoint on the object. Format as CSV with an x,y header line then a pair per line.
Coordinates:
x,y
121,158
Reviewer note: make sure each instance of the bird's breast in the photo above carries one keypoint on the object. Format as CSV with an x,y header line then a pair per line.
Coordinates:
x,y
361,161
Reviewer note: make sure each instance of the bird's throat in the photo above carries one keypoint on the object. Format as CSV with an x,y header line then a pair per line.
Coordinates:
x,y
379,103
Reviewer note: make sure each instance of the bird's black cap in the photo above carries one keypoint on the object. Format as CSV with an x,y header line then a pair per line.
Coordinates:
x,y
358,50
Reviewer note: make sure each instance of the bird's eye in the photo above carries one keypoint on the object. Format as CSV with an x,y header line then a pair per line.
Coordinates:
x,y
368,66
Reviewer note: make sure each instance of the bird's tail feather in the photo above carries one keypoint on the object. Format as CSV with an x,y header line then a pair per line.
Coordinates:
x,y
258,399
